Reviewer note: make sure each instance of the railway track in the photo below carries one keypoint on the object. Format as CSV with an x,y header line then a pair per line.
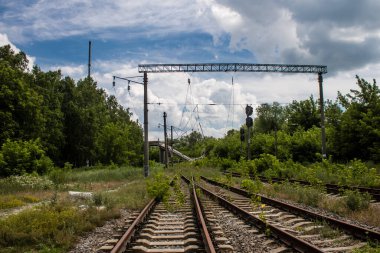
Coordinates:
x,y
223,220
161,228
330,188
298,224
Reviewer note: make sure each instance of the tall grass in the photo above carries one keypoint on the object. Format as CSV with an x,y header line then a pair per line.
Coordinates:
x,y
53,225
103,174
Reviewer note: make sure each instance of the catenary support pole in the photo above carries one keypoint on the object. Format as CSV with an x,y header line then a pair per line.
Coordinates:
x,y
166,142
171,144
248,143
89,59
321,103
146,139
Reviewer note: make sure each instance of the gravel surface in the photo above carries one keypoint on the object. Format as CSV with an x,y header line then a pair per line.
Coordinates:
x,y
243,237
93,240
328,214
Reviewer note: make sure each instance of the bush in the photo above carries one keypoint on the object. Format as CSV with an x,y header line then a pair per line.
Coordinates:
x,y
266,162
19,157
356,200
253,187
158,186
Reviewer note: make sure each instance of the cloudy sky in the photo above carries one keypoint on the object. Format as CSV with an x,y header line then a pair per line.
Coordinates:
x,y
342,34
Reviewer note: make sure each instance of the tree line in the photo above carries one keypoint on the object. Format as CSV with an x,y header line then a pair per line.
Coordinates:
x,y
292,132
47,119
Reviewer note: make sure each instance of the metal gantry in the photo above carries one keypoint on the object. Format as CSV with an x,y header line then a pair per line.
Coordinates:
x,y
229,67
234,67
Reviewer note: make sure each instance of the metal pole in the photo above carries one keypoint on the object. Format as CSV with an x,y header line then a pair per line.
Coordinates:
x,y
321,102
275,132
249,144
275,141
146,139
89,59
171,144
166,142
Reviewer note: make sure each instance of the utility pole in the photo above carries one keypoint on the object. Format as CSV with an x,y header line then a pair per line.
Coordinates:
x,y
171,144
89,59
146,141
166,142
321,103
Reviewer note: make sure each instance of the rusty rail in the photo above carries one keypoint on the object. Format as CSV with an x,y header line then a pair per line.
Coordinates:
x,y
287,238
125,239
357,231
209,246
330,188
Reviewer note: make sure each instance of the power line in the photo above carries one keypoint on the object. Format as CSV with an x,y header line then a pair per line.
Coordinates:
x,y
217,104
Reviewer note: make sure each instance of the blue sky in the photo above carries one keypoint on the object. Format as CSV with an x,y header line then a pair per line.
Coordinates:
x,y
343,36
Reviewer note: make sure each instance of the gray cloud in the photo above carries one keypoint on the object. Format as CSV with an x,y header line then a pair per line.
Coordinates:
x,y
344,35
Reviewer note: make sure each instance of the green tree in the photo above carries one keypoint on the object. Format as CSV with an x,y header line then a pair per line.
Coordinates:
x,y
20,105
48,85
19,157
302,114
358,134
269,118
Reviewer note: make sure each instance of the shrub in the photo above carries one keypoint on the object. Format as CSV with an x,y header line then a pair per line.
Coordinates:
x,y
356,200
266,162
158,186
251,186
19,157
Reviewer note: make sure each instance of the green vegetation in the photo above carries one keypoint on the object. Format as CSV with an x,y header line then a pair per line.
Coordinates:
x,y
25,182
158,186
368,249
53,226
356,200
47,118
52,126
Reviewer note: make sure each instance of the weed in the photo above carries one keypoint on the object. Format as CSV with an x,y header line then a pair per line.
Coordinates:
x,y
368,249
158,186
11,201
327,231
356,200
253,187
25,182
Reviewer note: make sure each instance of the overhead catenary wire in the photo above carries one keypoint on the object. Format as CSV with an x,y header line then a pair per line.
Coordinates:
x,y
231,105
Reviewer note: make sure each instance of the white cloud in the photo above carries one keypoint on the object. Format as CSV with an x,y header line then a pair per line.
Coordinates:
x,y
75,72
167,93
49,20
299,32
5,41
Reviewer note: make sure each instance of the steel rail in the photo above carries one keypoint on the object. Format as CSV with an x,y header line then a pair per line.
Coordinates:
x,y
287,238
357,231
125,239
333,188
209,246
330,188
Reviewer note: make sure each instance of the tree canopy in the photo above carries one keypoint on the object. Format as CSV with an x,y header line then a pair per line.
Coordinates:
x,y
68,121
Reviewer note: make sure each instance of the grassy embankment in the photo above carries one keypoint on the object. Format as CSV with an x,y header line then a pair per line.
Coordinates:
x,y
54,224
